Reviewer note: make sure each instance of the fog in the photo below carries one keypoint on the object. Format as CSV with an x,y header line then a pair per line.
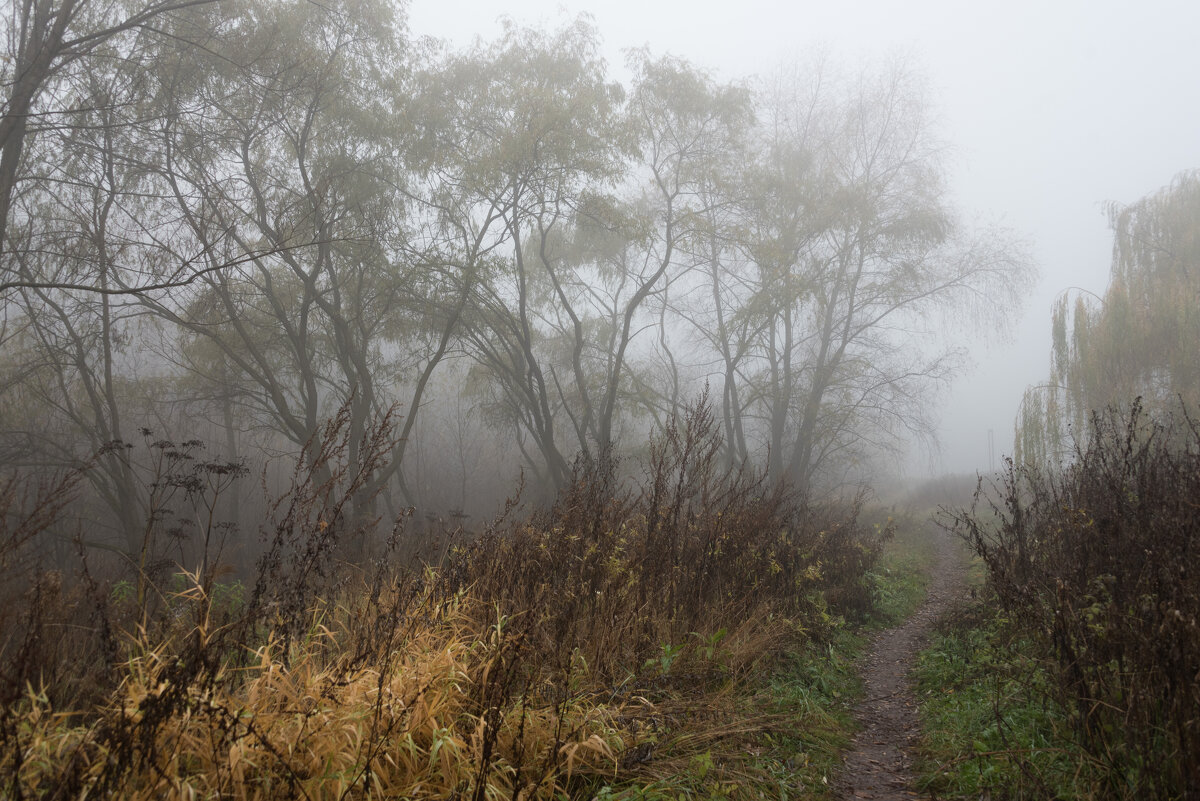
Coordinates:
x,y
445,398
488,241
1050,109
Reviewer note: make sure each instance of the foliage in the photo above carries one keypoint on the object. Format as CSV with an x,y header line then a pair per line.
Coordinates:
x,y
1094,566
563,651
1139,340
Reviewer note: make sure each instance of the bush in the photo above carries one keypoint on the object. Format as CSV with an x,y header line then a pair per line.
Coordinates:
x,y
1100,565
537,656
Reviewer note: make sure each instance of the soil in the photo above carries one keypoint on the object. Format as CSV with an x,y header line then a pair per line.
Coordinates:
x,y
878,764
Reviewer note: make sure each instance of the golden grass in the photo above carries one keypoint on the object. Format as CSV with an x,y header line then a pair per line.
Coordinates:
x,y
451,710
301,724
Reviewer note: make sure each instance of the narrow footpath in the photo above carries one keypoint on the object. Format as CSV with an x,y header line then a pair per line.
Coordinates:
x,y
879,761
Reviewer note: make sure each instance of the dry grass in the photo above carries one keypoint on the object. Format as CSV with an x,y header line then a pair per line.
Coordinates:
x,y
547,656
297,723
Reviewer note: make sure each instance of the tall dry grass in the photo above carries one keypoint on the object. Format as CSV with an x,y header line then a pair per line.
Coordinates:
x,y
545,655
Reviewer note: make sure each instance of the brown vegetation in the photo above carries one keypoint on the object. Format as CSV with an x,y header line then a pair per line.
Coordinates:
x,y
1097,566
543,655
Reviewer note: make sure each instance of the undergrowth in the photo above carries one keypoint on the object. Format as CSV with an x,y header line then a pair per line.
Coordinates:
x,y
993,726
780,732
614,640
777,736
1084,679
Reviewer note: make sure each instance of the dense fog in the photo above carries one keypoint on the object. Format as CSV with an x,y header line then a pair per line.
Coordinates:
x,y
228,224
402,401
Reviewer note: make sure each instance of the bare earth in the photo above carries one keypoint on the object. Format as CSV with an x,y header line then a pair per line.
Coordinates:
x,y
879,762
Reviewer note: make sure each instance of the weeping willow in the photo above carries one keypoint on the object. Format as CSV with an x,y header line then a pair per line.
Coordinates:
x,y
1140,340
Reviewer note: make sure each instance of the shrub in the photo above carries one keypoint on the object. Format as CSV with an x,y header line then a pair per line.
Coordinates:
x,y
530,661
1098,563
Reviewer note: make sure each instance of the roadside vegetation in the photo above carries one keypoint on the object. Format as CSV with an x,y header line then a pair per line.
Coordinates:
x,y
690,634
1075,676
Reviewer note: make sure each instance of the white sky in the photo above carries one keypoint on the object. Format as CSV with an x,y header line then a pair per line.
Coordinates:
x,y
1051,107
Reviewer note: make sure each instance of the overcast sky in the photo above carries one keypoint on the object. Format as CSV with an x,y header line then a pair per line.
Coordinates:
x,y
1051,108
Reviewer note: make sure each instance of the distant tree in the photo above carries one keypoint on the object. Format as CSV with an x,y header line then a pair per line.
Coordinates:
x,y
841,257
1141,339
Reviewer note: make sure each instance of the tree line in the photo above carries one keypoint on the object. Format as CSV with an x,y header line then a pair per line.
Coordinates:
x,y
245,216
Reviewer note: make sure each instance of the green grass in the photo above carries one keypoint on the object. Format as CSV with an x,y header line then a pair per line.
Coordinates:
x,y
778,736
991,727
900,578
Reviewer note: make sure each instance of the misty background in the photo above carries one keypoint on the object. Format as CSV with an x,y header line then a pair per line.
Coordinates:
x,y
514,236
587,372
1049,109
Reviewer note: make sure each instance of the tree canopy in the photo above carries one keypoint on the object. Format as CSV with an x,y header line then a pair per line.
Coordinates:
x,y
243,217
1140,340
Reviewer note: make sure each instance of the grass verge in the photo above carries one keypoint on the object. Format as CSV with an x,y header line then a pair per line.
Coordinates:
x,y
991,726
684,632
777,735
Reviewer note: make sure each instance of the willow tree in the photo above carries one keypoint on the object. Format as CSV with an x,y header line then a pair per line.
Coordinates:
x,y
1141,339
299,159
522,133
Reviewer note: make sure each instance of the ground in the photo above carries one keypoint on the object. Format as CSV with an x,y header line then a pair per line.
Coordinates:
x,y
878,764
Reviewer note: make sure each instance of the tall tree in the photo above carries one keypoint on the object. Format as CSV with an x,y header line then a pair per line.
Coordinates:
x,y
690,132
527,125
81,228
1140,339
301,159
844,254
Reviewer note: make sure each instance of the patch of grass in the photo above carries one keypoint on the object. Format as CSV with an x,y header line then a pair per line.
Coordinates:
x,y
991,728
820,687
900,578
777,735
899,582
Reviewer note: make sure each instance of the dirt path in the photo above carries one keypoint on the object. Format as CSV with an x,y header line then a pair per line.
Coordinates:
x,y
879,762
